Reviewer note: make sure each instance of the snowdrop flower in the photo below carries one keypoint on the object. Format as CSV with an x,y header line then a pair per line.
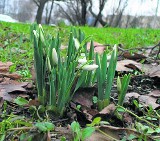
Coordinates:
x,y
76,42
108,58
54,56
36,34
40,26
82,61
90,67
83,55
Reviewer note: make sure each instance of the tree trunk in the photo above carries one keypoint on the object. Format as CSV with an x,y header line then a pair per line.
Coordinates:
x,y
155,17
40,11
50,13
98,18
84,12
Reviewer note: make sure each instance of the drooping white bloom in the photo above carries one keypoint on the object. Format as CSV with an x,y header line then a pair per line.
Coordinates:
x,y
82,61
40,26
35,34
108,58
83,55
76,42
54,56
90,67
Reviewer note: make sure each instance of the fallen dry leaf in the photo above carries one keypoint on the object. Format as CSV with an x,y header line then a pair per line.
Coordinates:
x,y
131,95
99,48
134,56
14,76
62,131
123,65
97,136
4,95
154,71
127,118
14,87
89,113
4,67
4,71
147,69
149,100
84,97
109,109
34,102
1,102
113,133
155,93
7,91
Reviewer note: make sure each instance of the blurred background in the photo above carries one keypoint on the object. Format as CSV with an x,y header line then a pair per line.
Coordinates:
x,y
114,13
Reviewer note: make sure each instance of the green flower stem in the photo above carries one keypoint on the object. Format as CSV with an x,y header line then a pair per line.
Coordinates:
x,y
139,118
157,114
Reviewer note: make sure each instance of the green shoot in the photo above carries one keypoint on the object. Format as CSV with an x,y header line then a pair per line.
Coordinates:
x,y
122,86
105,75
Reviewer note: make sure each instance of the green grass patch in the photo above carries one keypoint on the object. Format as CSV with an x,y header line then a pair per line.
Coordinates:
x,y
15,44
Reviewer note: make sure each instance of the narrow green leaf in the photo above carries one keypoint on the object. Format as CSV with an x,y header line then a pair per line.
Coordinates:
x,y
124,87
111,73
99,79
80,80
119,87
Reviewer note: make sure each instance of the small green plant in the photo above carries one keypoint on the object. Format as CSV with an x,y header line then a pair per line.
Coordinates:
x,y
12,121
105,75
122,86
44,126
81,134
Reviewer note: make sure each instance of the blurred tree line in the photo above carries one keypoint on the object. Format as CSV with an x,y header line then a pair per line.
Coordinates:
x,y
81,12
75,11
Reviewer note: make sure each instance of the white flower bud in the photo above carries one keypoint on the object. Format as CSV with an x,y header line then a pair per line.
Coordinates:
x,y
83,55
108,58
54,56
76,42
35,34
82,61
90,67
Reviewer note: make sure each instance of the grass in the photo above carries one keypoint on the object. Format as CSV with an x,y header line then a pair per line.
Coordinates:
x,y
17,35
130,38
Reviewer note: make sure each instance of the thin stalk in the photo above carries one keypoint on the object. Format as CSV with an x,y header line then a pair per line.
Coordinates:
x,y
139,118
